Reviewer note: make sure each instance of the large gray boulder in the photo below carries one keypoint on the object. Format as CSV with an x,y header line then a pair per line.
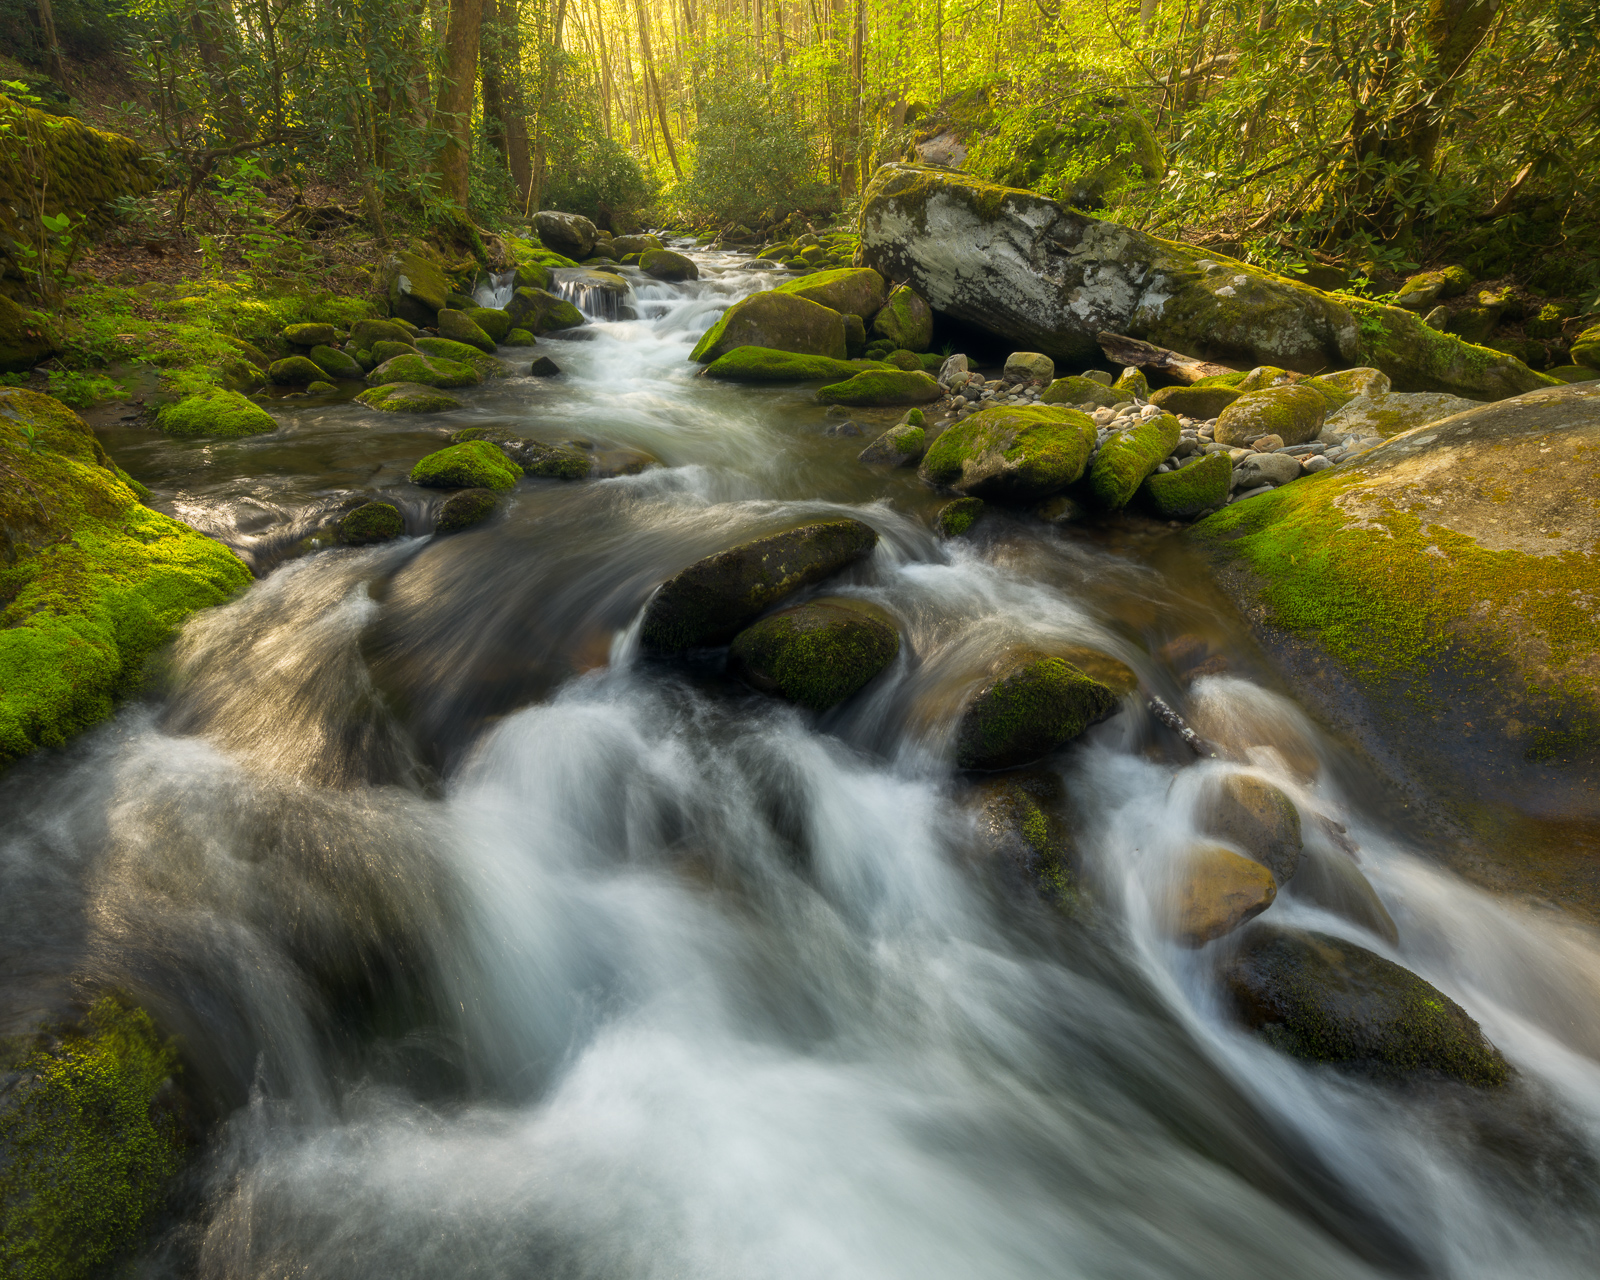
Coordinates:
x,y
567,233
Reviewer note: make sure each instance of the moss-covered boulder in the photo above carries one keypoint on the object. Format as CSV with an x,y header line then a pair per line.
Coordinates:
x,y
365,334
542,460
461,353
1194,402
899,446
26,338
714,599
1432,599
856,291
1076,390
762,364
955,519
1024,829
1388,413
90,1135
902,359
385,350
1127,458
519,338
1217,890
816,654
1419,358
459,327
540,311
215,413
1131,385
1185,493
335,363
1425,290
1326,1000
91,581
466,508
408,397
664,264
1294,413
429,371
779,321
568,233
294,371
622,246
477,464
1586,349
1033,704
310,335
882,387
411,287
905,320
1011,454
370,523
492,320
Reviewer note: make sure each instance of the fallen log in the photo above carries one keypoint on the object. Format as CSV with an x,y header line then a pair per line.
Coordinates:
x,y
1126,351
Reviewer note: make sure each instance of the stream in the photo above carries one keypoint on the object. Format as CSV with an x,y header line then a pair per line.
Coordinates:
x,y
497,949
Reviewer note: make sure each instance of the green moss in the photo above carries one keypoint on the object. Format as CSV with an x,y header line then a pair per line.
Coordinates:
x,y
91,581
429,371
1039,704
540,311
1011,453
1586,348
905,320
476,464
1127,457
1075,390
461,353
461,328
366,334
310,335
776,320
711,341
520,338
1194,402
882,387
466,508
1293,413
371,522
1419,358
1130,385
816,654
1183,494
857,291
955,518
215,413
1231,379
763,364
900,446
86,1149
408,397
491,320
294,371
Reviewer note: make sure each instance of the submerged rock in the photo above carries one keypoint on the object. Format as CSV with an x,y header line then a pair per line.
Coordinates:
x,y
1326,1000
882,387
956,518
816,654
466,508
1011,454
544,367
1024,826
477,464
713,599
1033,704
779,321
215,413
371,522
408,397
1218,890
1252,814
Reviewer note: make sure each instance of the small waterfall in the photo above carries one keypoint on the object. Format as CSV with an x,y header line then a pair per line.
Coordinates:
x,y
496,291
598,294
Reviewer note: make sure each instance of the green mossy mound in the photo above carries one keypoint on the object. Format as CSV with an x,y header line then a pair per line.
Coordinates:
x,y
816,654
294,371
1075,391
429,371
520,338
461,328
1194,402
905,320
1024,826
215,413
466,508
1130,386
663,264
492,320
777,321
26,338
91,582
762,364
408,397
1420,292
1293,413
856,291
321,389
461,353
1326,1000
882,387
310,335
899,446
335,363
1586,349
371,522
365,334
1418,358
87,1145
714,599
902,359
411,287
1011,454
540,311
1127,458
477,464
956,518
1183,494
1035,704
384,351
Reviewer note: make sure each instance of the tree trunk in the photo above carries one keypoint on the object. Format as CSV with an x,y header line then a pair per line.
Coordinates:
x,y
655,85
454,104
513,102
52,46
547,77
209,42
491,61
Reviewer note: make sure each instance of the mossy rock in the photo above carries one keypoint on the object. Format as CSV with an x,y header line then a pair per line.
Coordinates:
x,y
335,363
540,311
1194,402
519,338
777,321
1011,454
1025,828
321,389
1127,458
714,599
1076,390
365,334
906,320
492,320
1326,1000
294,371
385,350
899,446
89,1140
1233,378
1422,291
462,329
477,464
816,654
310,335
1418,358
1034,704
1183,494
1253,815
536,275
1294,413
1218,890
1390,413
429,371
1586,349
465,509
623,246
903,360
544,461
370,523
91,581
408,397
461,353
1431,598
215,413
882,387
411,287
1130,386
664,264
955,519
851,291
763,364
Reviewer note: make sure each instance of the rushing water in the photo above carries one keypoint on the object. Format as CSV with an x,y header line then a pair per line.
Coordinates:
x,y
500,951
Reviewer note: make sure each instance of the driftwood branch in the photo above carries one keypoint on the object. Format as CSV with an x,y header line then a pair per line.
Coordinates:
x,y
1126,351
1175,722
